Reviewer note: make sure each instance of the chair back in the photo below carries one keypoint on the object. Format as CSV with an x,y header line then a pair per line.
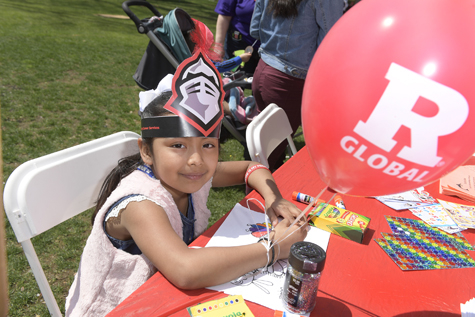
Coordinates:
x,y
266,131
43,192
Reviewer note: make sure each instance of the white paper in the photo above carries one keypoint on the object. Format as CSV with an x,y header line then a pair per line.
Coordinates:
x,y
468,309
263,288
410,199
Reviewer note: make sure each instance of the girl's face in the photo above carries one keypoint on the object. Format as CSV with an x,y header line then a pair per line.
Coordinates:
x,y
184,165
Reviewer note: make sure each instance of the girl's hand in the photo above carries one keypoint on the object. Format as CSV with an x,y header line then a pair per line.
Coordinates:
x,y
245,57
284,208
283,238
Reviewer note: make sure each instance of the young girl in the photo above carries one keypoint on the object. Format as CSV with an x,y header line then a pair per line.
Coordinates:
x,y
153,204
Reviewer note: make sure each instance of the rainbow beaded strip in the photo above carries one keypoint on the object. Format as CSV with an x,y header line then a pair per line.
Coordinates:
x,y
408,226
415,246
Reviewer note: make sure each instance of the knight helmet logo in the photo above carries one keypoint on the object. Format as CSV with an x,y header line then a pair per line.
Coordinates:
x,y
198,94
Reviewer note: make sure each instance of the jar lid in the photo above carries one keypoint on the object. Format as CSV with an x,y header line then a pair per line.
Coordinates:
x,y
307,257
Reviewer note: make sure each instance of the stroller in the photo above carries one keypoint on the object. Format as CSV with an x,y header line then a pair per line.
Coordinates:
x,y
168,48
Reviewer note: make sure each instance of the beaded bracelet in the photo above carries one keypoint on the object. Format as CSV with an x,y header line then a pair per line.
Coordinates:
x,y
252,169
271,260
273,250
265,246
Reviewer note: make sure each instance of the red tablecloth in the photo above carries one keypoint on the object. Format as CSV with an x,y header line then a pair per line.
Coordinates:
x,y
358,280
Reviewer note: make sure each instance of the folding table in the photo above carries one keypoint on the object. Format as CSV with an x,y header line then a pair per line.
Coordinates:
x,y
358,279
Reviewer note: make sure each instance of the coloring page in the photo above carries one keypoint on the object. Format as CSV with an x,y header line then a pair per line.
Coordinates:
x,y
244,226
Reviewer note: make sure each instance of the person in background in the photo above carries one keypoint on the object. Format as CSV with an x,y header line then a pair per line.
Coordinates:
x,y
290,32
202,38
232,30
349,4
241,108
154,204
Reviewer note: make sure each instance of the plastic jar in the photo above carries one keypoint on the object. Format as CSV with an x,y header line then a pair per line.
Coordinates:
x,y
305,265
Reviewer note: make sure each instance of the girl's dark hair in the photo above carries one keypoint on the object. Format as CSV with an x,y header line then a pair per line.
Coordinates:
x,y
284,8
130,163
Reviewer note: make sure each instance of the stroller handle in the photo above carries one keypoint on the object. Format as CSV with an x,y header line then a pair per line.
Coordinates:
x,y
138,23
238,80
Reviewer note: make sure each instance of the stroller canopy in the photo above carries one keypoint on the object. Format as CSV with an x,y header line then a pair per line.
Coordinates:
x,y
175,23
154,66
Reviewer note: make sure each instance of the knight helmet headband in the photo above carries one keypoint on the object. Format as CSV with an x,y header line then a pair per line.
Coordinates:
x,y
197,101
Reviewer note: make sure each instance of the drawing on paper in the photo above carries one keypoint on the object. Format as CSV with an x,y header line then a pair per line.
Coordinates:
x,y
236,231
254,277
259,230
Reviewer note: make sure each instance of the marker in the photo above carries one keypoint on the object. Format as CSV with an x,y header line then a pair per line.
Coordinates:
x,y
339,202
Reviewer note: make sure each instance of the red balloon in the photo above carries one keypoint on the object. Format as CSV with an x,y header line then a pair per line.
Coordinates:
x,y
389,100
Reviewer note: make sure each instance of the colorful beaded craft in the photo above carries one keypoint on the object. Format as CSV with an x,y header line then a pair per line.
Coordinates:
x,y
407,226
414,245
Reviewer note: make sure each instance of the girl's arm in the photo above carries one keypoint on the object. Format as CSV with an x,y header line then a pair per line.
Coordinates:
x,y
233,173
228,64
186,268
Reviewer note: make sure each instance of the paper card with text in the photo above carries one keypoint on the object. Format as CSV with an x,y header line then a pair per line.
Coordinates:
x,y
463,215
233,305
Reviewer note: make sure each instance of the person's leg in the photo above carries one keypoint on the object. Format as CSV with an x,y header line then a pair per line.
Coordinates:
x,y
283,90
273,86
235,108
249,104
257,85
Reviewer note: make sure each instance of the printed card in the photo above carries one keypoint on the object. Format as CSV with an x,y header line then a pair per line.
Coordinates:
x,y
228,306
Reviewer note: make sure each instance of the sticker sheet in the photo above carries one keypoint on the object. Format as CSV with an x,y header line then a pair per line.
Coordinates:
x,y
463,215
436,216
414,245
408,226
425,253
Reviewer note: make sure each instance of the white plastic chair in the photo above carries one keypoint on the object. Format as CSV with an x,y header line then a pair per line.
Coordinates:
x,y
266,131
48,190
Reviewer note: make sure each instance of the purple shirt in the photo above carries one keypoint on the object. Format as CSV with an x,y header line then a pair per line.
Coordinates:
x,y
241,11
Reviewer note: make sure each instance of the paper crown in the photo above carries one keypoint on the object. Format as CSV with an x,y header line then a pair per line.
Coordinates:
x,y
197,102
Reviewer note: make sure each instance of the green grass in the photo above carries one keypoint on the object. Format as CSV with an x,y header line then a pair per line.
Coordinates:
x,y
66,78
